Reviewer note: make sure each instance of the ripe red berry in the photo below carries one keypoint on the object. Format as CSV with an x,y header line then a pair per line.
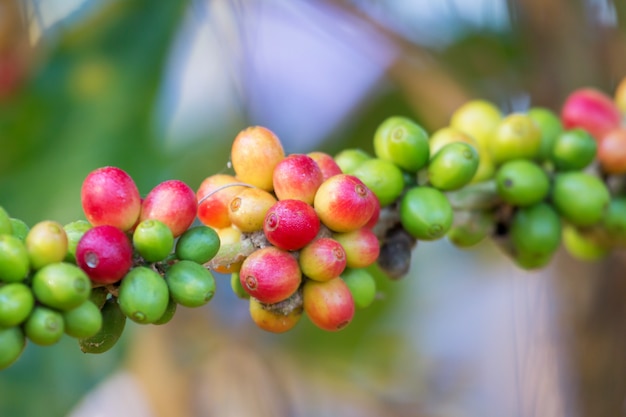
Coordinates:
x,y
105,253
329,305
110,196
327,164
361,246
172,202
591,110
297,177
270,275
291,224
214,196
322,259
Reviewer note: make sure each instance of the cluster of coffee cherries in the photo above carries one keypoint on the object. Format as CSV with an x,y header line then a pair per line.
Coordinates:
x,y
132,258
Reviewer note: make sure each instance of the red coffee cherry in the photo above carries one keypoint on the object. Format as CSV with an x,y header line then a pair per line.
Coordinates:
x,y
322,259
105,253
361,246
297,177
327,164
291,224
172,202
329,305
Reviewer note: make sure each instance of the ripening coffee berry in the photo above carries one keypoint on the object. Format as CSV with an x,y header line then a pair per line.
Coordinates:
x,y
254,154
273,321
580,198
46,243
248,208
329,304
143,295
83,321
478,118
270,275
516,136
110,196
612,151
61,285
44,326
479,225
382,177
297,177
105,253
403,142
327,164
291,224
550,126
522,182
425,213
198,244
344,203
214,196
172,202
592,110
322,259
14,261
361,247
16,303
349,159
74,231
153,240
453,166
190,284
228,236
362,286
582,246
12,343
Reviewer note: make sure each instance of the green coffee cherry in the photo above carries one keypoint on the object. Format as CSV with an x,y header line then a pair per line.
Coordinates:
x,y
425,213
583,247
190,284
143,295
198,244
453,166
362,286
550,126
20,229
235,285
522,182
403,142
516,137
153,240
83,321
44,326
5,222
349,159
477,225
535,233
14,261
383,177
12,343
614,221
61,285
573,150
581,198
113,323
16,303
74,231
170,311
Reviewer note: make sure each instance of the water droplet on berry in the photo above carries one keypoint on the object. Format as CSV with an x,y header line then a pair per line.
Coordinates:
x,y
92,259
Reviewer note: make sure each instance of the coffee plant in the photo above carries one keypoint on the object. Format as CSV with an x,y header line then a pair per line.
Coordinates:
x,y
298,233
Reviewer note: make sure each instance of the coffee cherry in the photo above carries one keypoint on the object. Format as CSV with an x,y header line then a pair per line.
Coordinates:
x,y
614,221
198,244
322,259
477,118
153,240
46,243
522,182
110,196
361,247
19,229
5,222
105,254
228,236
297,177
349,159
14,260
254,154
580,198
516,136
247,209
74,231
620,95
113,324
536,232
573,150
583,247
447,135
329,304
143,295
61,285
16,303
327,164
170,311
550,126
382,177
190,284
12,344
453,166
291,224
214,196
592,110
362,286
172,202
235,285
344,203
44,326
612,151
270,275
83,321
479,225
403,142
425,213
273,321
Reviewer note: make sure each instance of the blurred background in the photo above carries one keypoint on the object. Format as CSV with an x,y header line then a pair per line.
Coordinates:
x,y
160,89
